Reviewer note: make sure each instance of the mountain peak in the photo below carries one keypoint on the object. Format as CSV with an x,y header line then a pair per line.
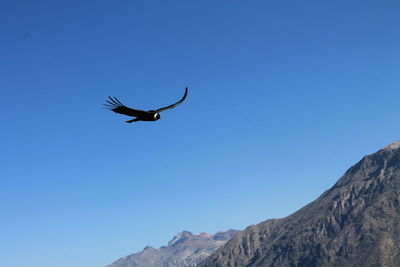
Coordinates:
x,y
354,223
148,248
395,145
180,237
184,250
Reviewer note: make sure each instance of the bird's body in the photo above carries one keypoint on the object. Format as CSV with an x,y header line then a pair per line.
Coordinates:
x,y
150,115
140,115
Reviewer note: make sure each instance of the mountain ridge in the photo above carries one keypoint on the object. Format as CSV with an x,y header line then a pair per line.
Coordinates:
x,y
354,223
184,250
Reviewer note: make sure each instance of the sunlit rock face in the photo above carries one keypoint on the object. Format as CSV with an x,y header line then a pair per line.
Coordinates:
x,y
184,250
354,223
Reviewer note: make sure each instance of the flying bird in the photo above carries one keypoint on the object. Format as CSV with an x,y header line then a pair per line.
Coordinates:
x,y
140,115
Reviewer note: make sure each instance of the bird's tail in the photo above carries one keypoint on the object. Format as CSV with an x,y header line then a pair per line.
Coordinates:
x,y
134,120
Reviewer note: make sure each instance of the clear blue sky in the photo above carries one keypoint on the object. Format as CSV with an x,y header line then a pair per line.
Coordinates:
x,y
284,96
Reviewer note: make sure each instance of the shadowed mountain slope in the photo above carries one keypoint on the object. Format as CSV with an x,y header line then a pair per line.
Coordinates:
x,y
355,223
184,250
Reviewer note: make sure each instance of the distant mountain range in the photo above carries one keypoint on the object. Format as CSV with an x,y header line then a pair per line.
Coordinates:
x,y
184,250
355,223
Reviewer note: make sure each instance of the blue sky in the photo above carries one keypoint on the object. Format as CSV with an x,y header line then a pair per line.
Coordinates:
x,y
284,96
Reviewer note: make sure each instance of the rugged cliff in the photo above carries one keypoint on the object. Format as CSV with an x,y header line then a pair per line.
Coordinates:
x,y
355,223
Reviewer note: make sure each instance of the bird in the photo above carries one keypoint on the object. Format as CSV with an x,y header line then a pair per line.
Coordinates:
x,y
140,115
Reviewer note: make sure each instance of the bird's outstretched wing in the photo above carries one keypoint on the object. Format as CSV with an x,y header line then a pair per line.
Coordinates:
x,y
174,105
116,106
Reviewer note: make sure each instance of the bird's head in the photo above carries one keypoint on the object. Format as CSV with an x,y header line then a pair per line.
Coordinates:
x,y
157,116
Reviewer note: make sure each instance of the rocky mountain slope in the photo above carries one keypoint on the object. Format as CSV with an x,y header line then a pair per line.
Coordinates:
x,y
184,250
355,223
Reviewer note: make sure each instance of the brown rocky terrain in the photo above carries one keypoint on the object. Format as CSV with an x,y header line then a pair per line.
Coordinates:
x,y
354,223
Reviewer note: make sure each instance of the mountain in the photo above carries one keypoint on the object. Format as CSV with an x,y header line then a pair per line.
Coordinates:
x,y
184,250
354,223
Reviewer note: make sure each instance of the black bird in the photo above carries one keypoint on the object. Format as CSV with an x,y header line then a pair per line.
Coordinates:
x,y
141,115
